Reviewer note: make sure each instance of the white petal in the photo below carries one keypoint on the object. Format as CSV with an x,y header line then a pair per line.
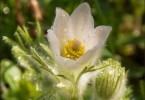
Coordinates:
x,y
102,32
90,55
99,35
97,42
66,63
54,42
82,21
62,25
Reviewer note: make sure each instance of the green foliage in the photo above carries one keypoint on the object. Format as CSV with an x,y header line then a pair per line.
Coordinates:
x,y
19,88
22,83
34,59
142,89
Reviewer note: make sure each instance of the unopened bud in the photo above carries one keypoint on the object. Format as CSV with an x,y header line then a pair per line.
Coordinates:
x,y
110,83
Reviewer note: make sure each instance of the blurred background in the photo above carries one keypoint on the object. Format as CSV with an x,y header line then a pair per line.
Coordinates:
x,y
125,43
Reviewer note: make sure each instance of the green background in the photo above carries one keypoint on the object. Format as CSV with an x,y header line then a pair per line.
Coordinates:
x,y
125,43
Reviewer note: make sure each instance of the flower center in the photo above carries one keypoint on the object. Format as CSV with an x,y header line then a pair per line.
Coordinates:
x,y
73,49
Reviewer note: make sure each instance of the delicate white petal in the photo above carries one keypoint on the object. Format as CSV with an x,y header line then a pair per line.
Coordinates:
x,y
99,35
82,21
102,32
62,25
95,45
90,55
66,63
54,42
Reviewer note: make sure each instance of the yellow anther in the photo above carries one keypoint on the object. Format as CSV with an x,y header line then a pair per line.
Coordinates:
x,y
73,49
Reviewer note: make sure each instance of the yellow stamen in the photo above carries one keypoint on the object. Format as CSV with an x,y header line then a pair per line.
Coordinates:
x,y
73,49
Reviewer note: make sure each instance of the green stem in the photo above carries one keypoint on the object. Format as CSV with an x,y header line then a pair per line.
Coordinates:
x,y
85,71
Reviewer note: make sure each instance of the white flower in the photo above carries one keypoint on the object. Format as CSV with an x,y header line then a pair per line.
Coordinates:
x,y
74,40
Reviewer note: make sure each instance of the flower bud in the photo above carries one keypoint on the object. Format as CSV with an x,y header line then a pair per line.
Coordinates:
x,y
110,83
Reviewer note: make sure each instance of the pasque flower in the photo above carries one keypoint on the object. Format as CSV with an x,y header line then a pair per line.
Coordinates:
x,y
74,40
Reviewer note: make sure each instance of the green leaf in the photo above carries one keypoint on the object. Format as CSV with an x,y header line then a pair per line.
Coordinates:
x,y
49,93
42,63
47,50
9,41
20,54
19,39
12,76
38,58
25,36
39,32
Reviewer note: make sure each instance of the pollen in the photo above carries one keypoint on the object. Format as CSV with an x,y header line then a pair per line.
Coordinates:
x,y
73,49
